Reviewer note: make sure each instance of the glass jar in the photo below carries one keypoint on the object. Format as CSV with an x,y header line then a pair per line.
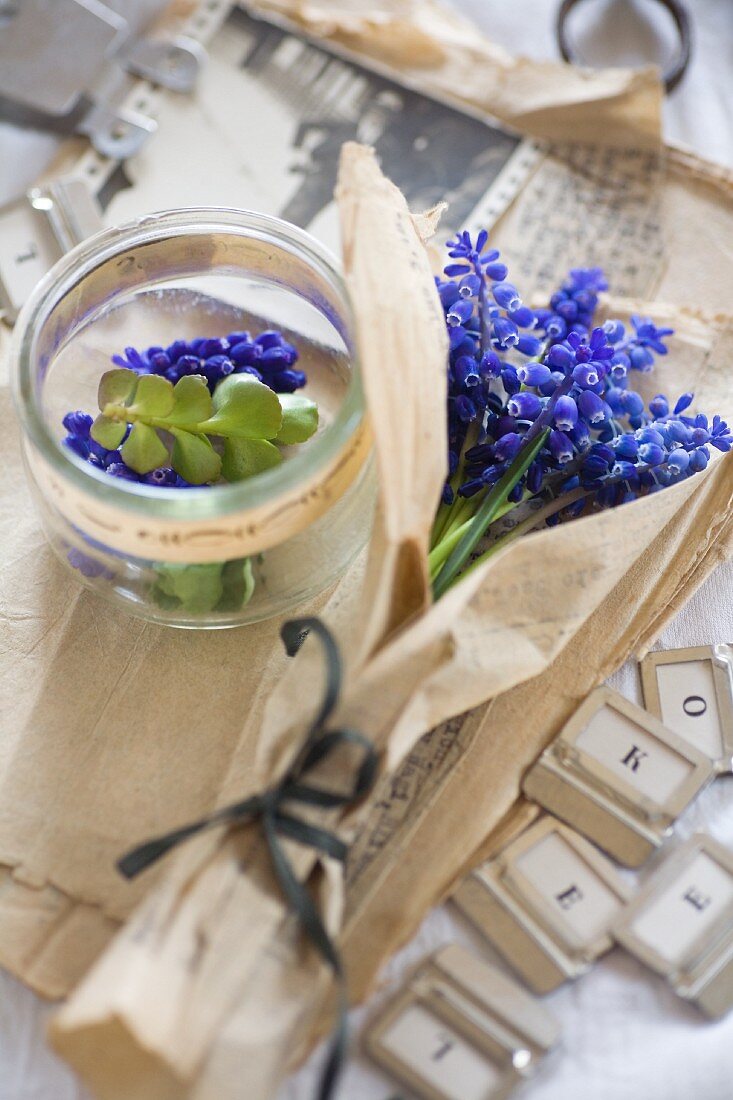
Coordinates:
x,y
208,556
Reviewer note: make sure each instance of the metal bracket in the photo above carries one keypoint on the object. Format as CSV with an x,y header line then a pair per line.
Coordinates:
x,y
116,133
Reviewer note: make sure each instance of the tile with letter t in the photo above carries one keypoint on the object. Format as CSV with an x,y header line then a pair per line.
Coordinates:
x,y
547,903
691,691
460,1030
618,776
681,924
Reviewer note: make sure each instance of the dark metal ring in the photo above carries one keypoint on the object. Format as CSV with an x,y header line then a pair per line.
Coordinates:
x,y
679,13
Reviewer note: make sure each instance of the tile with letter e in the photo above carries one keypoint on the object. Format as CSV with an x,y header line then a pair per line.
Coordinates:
x,y
460,1030
681,924
547,903
691,691
618,776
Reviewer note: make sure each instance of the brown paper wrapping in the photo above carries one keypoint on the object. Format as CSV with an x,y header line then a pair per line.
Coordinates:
x,y
409,429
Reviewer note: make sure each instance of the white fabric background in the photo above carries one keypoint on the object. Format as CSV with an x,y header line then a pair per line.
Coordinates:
x,y
625,1036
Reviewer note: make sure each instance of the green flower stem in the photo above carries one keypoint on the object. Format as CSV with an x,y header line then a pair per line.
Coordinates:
x,y
441,518
529,524
456,515
460,510
486,514
447,512
166,424
450,540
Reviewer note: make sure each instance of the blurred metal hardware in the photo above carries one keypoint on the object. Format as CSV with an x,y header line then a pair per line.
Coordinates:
x,y
68,65
172,63
36,231
458,1026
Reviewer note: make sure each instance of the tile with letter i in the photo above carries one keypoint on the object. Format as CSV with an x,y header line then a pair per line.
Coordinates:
x,y
618,776
691,691
460,1030
547,903
681,924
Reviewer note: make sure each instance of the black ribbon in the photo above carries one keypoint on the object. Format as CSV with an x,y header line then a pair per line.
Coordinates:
x,y
277,822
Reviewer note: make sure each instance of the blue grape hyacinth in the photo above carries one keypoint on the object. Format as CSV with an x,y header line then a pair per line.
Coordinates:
x,y
268,356
540,404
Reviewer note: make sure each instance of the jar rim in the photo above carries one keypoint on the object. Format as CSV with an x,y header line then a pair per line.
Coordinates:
x,y
202,502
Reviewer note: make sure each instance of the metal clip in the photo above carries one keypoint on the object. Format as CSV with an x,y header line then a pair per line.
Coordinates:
x,y
73,78
117,133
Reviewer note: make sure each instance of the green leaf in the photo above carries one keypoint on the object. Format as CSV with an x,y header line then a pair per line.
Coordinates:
x,y
487,513
198,588
107,432
117,387
191,401
300,418
246,457
194,458
144,450
249,581
239,584
244,409
153,396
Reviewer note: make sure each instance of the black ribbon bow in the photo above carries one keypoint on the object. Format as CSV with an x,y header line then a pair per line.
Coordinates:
x,y
277,822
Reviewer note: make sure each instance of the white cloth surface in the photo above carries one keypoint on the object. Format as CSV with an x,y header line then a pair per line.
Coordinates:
x,y
625,1036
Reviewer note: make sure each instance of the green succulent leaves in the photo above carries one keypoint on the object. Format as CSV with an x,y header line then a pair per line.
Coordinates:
x,y
117,387
245,409
249,417
194,458
197,589
144,450
108,433
247,457
299,418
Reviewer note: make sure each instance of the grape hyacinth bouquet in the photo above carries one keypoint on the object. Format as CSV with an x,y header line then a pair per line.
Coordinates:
x,y
189,415
542,412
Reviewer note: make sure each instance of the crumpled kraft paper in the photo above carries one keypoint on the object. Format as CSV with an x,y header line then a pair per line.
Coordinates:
x,y
189,972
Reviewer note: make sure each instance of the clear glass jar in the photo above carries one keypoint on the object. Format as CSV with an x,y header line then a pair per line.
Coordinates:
x,y
211,556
